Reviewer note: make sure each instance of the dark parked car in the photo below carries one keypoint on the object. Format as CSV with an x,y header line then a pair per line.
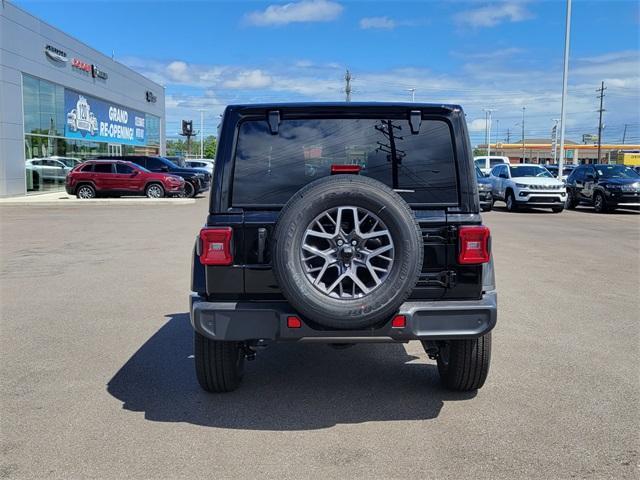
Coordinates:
x,y
196,180
606,187
566,170
112,177
381,241
484,190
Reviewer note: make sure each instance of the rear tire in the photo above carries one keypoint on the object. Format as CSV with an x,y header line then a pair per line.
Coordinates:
x,y
463,365
219,365
85,191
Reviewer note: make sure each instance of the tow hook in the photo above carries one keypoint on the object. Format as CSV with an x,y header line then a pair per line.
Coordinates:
x,y
432,349
249,353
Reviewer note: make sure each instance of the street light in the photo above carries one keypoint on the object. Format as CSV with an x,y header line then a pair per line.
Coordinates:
x,y
201,133
565,79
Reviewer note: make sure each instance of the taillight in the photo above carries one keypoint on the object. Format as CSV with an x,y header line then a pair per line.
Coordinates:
x,y
474,244
337,168
215,246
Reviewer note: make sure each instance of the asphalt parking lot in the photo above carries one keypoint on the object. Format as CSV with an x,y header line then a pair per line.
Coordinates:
x,y
97,378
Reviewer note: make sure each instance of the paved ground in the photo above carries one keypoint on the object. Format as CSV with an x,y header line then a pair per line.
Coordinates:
x,y
97,379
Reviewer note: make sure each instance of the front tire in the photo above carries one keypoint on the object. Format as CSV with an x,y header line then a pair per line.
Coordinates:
x,y
154,190
219,365
463,365
511,202
599,203
189,190
571,202
557,209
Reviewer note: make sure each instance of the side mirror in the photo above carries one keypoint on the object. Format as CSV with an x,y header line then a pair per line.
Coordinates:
x,y
590,176
164,168
134,173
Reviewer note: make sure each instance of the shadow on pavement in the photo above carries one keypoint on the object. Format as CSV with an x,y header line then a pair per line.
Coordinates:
x,y
287,387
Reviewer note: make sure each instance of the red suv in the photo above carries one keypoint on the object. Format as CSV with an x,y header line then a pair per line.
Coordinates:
x,y
106,177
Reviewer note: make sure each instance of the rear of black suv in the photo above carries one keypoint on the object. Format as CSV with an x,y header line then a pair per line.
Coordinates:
x,y
343,223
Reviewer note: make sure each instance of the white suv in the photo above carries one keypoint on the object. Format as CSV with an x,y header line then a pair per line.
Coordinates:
x,y
485,164
527,185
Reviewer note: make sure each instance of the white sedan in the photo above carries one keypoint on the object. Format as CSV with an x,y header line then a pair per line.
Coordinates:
x,y
527,185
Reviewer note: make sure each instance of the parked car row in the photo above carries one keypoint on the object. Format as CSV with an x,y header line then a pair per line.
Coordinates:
x,y
606,187
154,177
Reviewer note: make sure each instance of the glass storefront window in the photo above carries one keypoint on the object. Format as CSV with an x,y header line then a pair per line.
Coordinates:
x,y
152,130
48,155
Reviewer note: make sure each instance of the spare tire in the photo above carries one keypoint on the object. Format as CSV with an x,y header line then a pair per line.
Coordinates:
x,y
347,251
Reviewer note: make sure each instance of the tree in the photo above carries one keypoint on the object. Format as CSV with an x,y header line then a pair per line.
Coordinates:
x,y
178,147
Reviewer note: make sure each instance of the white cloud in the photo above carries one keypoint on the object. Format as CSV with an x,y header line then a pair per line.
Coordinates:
x,y
508,85
495,14
295,12
477,125
248,79
385,23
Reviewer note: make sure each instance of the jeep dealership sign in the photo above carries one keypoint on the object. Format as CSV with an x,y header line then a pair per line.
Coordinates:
x,y
88,118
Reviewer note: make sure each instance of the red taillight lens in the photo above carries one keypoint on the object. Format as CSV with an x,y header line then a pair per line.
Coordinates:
x,y
474,244
399,321
345,169
216,246
294,322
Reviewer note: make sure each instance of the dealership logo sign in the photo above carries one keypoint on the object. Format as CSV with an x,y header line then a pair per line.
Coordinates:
x,y
151,98
80,65
97,73
55,54
82,118
92,69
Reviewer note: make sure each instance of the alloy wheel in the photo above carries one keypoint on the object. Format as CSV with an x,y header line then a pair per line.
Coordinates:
x,y
347,252
85,192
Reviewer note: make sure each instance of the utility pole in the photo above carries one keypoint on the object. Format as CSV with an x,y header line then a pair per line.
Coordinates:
x,y
508,135
624,134
565,80
601,90
413,94
497,131
523,153
394,155
347,87
201,133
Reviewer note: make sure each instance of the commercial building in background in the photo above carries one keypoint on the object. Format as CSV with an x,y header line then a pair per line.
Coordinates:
x,y
540,150
62,101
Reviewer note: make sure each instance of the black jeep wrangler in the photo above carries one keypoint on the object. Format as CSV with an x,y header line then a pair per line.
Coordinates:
x,y
343,223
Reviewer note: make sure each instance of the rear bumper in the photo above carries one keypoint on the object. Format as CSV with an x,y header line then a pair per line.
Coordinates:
x,y
267,321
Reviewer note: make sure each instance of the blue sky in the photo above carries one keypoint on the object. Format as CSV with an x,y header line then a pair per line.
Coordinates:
x,y
501,55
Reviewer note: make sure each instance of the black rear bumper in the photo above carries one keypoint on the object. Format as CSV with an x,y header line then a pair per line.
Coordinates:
x,y
267,321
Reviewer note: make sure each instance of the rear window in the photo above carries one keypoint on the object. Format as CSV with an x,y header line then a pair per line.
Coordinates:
x,y
103,168
269,169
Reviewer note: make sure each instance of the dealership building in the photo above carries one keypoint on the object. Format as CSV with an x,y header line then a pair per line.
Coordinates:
x,y
62,101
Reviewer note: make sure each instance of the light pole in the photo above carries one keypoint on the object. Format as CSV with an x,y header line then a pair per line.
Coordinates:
x,y
413,94
201,133
523,109
565,79
554,140
488,112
